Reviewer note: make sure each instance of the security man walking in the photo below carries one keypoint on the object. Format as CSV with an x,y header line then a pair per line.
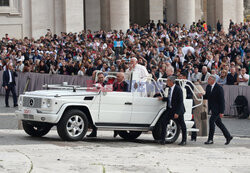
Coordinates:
x,y
175,109
9,84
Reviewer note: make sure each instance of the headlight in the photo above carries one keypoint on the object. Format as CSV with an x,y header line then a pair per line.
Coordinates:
x,y
46,103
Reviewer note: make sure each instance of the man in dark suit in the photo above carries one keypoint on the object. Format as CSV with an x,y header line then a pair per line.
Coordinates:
x,y
216,103
9,84
175,109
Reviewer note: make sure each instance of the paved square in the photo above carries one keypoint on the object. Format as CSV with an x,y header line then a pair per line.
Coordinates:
x,y
20,153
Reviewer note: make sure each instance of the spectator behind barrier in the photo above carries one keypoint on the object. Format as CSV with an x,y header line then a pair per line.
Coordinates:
x,y
160,46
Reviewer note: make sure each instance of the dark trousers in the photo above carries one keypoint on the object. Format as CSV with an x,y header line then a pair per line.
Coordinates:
x,y
12,89
118,50
215,119
180,120
194,134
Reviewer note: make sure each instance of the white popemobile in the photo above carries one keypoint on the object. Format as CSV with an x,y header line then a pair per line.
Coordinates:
x,y
74,109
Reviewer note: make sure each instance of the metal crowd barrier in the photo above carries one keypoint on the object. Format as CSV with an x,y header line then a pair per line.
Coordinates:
x,y
35,81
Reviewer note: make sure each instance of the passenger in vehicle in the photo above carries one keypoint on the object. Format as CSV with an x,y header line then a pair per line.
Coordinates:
x,y
100,79
120,84
139,71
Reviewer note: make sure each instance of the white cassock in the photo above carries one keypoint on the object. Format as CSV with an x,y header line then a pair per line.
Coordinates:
x,y
139,76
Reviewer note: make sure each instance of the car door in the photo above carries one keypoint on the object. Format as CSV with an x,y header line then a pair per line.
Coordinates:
x,y
115,107
145,109
145,105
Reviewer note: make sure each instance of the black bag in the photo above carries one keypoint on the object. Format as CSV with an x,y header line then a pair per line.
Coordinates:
x,y
241,104
203,116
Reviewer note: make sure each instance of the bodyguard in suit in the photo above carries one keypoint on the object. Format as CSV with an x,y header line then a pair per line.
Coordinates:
x,y
175,109
9,84
216,104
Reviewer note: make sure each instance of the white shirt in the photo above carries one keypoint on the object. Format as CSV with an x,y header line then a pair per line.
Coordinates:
x,y
186,49
170,96
212,87
246,76
20,67
196,76
80,73
10,76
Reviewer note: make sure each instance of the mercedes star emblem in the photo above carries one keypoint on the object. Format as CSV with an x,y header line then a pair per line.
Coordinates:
x,y
32,102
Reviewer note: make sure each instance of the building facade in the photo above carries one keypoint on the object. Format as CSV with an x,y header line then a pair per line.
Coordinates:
x,y
32,18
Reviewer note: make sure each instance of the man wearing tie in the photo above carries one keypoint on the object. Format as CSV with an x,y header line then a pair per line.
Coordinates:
x,y
175,109
216,103
9,84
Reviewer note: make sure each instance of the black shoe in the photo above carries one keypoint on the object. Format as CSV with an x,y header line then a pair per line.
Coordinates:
x,y
162,142
7,106
209,142
182,143
15,105
115,134
92,135
193,139
228,140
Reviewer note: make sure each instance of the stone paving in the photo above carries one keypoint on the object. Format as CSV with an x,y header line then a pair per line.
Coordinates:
x,y
20,153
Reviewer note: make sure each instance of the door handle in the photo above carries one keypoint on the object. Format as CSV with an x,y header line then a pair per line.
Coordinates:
x,y
128,103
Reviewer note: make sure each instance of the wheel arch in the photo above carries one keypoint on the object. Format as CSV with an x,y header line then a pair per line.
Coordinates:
x,y
82,107
157,118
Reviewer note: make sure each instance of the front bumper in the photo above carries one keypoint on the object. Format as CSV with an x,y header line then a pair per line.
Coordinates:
x,y
33,115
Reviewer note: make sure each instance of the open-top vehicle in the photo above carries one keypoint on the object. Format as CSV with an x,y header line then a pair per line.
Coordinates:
x,y
74,109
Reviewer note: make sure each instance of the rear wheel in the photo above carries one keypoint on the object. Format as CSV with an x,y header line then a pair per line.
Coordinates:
x,y
36,130
129,135
73,125
157,131
172,131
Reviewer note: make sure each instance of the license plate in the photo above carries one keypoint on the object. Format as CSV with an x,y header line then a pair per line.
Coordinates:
x,y
26,111
28,116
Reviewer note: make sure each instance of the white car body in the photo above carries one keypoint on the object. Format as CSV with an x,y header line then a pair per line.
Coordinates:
x,y
105,110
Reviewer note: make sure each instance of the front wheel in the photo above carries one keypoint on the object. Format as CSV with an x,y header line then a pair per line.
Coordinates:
x,y
172,131
73,125
36,130
129,135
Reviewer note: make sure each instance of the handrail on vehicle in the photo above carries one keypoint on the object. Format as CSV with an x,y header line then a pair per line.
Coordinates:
x,y
183,84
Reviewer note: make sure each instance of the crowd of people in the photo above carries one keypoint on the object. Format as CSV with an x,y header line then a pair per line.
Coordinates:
x,y
164,49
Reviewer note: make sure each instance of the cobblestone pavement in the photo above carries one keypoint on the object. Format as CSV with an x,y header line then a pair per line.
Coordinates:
x,y
238,127
3,109
20,153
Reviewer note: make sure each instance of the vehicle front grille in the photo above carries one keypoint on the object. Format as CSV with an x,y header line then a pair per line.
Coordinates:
x,y
32,102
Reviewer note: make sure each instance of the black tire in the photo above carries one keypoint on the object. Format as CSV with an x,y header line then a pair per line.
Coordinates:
x,y
129,135
157,131
36,130
173,128
67,122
